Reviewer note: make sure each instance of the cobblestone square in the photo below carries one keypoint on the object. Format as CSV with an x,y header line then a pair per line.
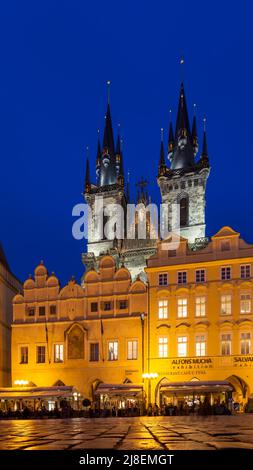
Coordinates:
x,y
142,433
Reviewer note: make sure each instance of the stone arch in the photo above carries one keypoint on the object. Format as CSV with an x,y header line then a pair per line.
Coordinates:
x,y
94,387
239,384
162,381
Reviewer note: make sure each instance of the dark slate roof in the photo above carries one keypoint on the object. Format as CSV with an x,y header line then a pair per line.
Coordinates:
x,y
108,141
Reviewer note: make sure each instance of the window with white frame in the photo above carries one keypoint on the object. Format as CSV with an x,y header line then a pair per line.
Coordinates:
x,y
225,273
163,279
23,355
182,277
41,354
200,345
245,271
113,351
163,346
132,349
226,304
200,275
200,306
58,352
245,303
226,341
182,307
245,343
162,309
182,346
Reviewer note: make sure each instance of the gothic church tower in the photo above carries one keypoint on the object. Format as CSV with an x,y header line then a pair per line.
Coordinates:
x,y
184,182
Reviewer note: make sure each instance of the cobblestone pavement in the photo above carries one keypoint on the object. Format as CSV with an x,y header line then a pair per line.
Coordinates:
x,y
146,433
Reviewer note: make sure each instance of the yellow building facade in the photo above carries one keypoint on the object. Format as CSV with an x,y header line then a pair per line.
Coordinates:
x,y
200,322
191,324
89,336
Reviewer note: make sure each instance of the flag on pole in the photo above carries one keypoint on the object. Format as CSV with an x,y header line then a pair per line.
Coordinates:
x,y
101,327
46,329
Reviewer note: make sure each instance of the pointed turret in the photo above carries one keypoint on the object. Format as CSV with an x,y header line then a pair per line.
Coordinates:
x,y
204,153
195,135
87,176
171,142
162,164
98,158
108,141
183,153
119,161
108,174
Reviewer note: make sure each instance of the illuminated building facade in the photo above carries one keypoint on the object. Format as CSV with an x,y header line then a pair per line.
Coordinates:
x,y
201,319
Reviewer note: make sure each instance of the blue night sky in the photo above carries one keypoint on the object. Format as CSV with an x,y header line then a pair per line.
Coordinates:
x,y
56,57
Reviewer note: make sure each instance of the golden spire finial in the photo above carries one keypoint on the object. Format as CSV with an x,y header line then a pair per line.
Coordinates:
x,y
194,108
161,134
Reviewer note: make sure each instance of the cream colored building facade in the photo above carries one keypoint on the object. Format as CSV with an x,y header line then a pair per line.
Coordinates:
x,y
200,324
9,286
81,336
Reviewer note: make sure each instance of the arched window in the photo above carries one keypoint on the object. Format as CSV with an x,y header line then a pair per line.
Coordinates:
x,y
183,212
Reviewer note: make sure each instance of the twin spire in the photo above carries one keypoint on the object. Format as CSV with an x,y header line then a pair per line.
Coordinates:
x,y
183,145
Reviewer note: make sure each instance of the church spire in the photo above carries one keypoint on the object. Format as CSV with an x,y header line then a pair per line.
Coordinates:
x,y
194,133
108,174
162,164
98,159
119,159
108,141
87,174
171,141
183,153
204,153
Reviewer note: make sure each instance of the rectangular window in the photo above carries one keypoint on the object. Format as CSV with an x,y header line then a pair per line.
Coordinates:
x,y
182,310
225,245
162,346
200,345
226,304
122,304
58,352
200,275
113,351
245,271
225,273
162,309
163,279
94,307
182,346
132,349
226,344
41,354
24,355
107,306
182,277
42,311
94,352
245,343
31,312
172,253
245,303
52,309
200,306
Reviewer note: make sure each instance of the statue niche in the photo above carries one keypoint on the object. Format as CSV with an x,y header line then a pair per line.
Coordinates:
x,y
76,343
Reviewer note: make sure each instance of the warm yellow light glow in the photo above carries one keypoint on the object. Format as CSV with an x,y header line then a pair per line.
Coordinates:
x,y
21,382
151,375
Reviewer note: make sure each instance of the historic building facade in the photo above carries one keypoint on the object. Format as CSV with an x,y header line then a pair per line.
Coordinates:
x,y
186,325
81,336
9,286
200,322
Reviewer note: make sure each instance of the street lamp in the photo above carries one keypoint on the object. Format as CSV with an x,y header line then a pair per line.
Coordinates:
x,y
149,376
